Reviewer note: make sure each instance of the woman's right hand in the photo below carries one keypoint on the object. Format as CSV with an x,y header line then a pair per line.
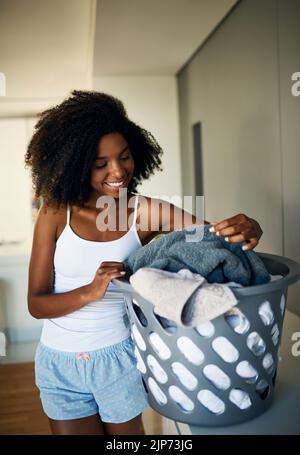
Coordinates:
x,y
104,274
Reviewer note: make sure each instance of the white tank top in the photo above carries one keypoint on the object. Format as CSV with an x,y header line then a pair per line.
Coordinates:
x,y
97,324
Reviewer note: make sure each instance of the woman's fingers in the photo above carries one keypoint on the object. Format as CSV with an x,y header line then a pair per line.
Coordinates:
x,y
233,230
114,274
235,238
251,243
247,236
231,223
109,264
228,222
238,229
107,271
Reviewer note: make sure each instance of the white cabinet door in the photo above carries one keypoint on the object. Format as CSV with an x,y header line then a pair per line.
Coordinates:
x,y
15,183
289,46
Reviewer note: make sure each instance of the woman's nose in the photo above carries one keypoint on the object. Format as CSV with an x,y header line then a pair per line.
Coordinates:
x,y
117,170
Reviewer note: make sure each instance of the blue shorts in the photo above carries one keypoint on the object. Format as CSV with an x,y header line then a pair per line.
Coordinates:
x,y
106,382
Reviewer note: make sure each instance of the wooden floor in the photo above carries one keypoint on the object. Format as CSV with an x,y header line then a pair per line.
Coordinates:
x,y
20,407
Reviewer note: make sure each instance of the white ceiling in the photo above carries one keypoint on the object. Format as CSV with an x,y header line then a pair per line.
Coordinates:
x,y
156,37
48,47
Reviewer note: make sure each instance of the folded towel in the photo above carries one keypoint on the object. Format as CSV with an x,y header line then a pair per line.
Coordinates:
x,y
212,257
182,297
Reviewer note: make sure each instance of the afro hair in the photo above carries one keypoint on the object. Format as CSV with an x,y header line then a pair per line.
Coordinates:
x,y
64,146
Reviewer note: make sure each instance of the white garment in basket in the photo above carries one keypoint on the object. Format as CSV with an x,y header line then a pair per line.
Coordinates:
x,y
183,297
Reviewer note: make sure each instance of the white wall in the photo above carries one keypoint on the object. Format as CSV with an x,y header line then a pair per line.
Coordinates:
x,y
231,86
17,322
16,228
46,47
289,55
152,103
15,181
150,38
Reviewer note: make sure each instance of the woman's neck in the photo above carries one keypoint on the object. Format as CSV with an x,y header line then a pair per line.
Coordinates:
x,y
94,196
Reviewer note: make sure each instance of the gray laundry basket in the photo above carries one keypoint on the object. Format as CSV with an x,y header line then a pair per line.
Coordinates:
x,y
188,373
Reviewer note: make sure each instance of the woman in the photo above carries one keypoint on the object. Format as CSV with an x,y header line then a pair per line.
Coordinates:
x,y
84,149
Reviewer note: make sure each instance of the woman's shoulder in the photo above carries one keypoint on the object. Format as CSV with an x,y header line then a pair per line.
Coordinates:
x,y
51,212
149,217
50,216
152,206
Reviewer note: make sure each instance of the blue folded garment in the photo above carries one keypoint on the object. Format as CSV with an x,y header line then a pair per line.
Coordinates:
x,y
212,257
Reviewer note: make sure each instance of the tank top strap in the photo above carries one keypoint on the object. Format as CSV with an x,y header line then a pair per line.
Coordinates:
x,y
68,214
135,210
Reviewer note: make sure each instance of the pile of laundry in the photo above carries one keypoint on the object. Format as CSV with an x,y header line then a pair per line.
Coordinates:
x,y
189,282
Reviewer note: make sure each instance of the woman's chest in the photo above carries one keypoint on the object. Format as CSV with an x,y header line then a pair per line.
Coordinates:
x,y
100,227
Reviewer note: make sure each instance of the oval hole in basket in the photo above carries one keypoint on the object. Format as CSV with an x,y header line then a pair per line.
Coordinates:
x,y
140,363
159,346
168,325
156,391
157,370
282,304
211,402
216,376
139,313
181,399
263,389
256,344
268,363
266,313
206,329
237,321
184,375
191,352
246,371
275,334
225,349
240,398
138,338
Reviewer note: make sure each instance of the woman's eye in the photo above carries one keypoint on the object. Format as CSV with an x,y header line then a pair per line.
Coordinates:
x,y
97,166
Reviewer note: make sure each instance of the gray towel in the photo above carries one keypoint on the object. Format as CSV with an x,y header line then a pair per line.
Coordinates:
x,y
212,257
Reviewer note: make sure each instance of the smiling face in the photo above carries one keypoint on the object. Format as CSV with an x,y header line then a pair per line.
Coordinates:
x,y
113,167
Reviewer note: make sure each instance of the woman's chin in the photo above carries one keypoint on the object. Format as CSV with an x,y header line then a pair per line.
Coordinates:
x,y
115,192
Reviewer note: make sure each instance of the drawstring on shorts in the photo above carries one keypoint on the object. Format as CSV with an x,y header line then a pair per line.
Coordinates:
x,y
81,355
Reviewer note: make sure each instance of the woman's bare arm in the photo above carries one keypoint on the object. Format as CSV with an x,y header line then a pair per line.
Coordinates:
x,y
42,302
239,228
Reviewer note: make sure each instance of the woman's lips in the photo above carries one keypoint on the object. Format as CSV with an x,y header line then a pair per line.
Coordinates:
x,y
116,187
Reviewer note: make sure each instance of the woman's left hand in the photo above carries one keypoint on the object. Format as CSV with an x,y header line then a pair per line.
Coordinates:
x,y
239,228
